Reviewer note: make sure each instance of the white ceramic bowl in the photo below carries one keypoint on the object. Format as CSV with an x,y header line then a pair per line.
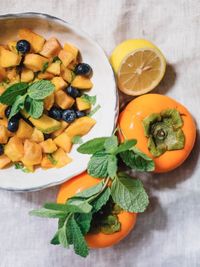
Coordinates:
x,y
104,88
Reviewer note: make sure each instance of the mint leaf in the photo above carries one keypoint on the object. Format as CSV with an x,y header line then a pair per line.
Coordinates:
x,y
62,236
80,245
129,193
55,206
126,145
84,221
137,160
98,165
89,99
44,67
91,191
46,213
56,58
9,96
34,107
111,144
112,166
17,106
92,112
92,146
77,140
101,200
40,89
75,205
20,166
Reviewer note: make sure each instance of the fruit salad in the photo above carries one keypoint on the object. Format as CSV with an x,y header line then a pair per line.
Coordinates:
x,y
44,105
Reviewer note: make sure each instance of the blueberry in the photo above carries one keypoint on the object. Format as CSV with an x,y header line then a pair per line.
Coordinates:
x,y
73,92
80,114
23,46
7,111
1,149
13,123
55,113
83,69
69,115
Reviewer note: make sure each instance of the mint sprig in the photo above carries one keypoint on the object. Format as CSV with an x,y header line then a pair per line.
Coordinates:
x,y
28,96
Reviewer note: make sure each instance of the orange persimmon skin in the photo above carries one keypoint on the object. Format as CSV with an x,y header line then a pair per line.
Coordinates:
x,y
99,240
130,123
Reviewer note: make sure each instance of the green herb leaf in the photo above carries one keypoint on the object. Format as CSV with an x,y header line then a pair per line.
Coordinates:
x,y
84,221
62,236
89,99
46,213
55,239
20,166
92,146
80,245
34,107
75,205
126,145
112,166
44,67
98,165
52,160
40,89
101,200
90,191
56,58
9,96
111,144
77,140
137,160
17,106
55,206
129,193
92,112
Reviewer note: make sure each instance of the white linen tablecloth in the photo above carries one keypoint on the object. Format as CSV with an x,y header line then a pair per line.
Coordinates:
x,y
168,233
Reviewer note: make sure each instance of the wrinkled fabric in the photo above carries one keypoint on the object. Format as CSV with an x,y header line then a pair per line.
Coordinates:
x,y
167,234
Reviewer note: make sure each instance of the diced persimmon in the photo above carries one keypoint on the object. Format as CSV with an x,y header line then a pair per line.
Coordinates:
x,y
14,149
61,157
82,104
51,48
81,82
4,161
34,62
2,110
4,122
13,75
59,83
27,75
64,125
80,126
48,146
2,74
49,101
24,131
2,89
46,163
65,57
45,76
4,135
67,75
32,153
12,46
71,49
64,141
36,40
9,59
63,100
37,136
54,68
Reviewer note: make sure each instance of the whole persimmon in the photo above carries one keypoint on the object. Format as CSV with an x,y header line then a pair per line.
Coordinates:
x,y
98,239
164,129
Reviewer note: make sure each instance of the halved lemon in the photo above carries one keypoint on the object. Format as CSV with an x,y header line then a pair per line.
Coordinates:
x,y
139,66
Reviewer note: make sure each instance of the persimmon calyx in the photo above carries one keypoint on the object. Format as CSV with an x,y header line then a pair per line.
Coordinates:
x,y
164,132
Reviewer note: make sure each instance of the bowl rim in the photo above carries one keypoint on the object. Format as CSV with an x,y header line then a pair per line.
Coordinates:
x,y
95,43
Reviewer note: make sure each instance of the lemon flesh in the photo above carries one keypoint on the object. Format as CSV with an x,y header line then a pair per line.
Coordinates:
x,y
139,66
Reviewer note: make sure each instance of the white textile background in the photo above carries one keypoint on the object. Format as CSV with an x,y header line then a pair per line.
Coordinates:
x,y
168,233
